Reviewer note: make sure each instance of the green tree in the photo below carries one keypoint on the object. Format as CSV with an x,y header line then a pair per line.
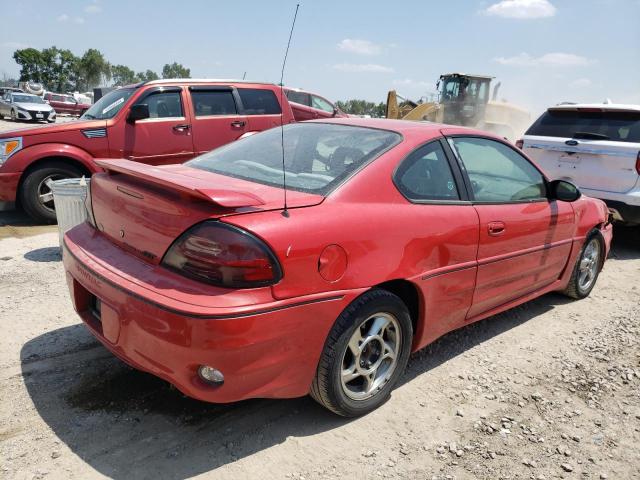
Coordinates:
x,y
123,75
362,107
147,76
31,64
91,69
175,70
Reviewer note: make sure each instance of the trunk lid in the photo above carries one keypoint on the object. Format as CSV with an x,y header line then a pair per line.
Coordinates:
x,y
143,208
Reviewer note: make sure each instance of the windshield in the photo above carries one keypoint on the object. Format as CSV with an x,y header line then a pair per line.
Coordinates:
x,y
619,126
27,99
108,105
317,156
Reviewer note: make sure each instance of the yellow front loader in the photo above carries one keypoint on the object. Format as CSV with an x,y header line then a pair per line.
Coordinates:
x,y
463,100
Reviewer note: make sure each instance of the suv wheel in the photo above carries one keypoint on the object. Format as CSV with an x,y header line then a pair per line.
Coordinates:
x,y
36,196
364,355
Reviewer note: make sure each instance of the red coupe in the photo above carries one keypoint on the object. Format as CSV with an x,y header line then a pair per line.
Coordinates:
x,y
394,233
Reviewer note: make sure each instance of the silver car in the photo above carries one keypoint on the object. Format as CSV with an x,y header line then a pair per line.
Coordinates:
x,y
24,106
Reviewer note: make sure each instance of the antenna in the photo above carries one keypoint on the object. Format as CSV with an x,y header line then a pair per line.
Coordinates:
x,y
244,76
285,212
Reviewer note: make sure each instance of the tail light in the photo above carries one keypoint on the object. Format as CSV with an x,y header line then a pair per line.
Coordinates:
x,y
520,144
638,163
224,256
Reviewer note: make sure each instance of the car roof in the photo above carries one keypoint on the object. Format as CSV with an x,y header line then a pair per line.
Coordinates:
x,y
604,107
401,126
164,81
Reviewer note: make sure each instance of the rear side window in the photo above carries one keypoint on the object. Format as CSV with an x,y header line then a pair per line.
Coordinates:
x,y
298,97
426,175
616,126
207,103
258,101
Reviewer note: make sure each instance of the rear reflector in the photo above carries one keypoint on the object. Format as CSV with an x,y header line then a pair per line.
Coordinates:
x,y
638,163
223,255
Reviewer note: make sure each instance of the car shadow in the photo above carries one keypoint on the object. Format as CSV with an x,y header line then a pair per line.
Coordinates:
x,y
626,243
17,224
129,424
46,254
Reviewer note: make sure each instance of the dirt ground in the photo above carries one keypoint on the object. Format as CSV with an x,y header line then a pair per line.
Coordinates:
x,y
548,390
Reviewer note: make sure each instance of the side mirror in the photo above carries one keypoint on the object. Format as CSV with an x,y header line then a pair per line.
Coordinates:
x,y
564,191
139,111
335,111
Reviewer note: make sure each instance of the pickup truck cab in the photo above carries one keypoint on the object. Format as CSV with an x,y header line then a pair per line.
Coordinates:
x,y
595,146
157,122
311,106
65,103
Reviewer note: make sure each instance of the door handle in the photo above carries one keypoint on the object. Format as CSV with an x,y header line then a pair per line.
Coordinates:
x,y
496,228
181,127
238,123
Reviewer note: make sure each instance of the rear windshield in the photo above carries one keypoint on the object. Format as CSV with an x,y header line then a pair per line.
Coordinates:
x,y
317,156
616,126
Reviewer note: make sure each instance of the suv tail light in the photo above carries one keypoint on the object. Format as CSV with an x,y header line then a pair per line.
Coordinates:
x,y
638,163
224,256
520,143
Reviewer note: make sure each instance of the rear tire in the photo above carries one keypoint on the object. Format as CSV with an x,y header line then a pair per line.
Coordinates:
x,y
587,268
364,355
35,193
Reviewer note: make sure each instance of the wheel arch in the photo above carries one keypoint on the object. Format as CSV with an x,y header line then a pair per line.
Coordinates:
x,y
409,293
70,161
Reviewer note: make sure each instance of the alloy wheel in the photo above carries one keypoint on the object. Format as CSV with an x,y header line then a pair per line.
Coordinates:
x,y
371,356
589,264
45,194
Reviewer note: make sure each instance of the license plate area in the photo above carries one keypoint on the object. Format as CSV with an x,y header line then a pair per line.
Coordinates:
x,y
39,115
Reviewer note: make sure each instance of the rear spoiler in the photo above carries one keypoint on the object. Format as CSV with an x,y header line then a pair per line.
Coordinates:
x,y
193,187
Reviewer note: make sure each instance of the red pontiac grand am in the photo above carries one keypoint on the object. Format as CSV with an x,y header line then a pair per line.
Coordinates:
x,y
394,234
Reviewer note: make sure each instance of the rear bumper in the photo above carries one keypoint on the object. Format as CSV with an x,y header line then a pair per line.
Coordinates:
x,y
8,188
269,350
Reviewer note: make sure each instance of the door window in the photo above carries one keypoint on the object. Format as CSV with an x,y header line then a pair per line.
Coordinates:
x,y
298,97
426,175
321,104
497,172
214,102
258,101
163,104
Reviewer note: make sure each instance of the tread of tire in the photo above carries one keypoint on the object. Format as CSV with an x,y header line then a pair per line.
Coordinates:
x,y
572,286
319,389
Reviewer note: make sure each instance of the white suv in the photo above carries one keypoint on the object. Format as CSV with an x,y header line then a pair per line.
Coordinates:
x,y
595,146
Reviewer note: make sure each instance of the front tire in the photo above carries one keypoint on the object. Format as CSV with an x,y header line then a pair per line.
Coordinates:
x,y
364,355
36,196
14,117
587,268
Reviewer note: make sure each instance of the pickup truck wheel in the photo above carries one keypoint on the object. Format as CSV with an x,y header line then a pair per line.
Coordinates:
x,y
36,196
364,355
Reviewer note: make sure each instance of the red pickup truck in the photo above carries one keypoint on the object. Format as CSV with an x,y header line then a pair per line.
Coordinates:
x,y
62,103
157,122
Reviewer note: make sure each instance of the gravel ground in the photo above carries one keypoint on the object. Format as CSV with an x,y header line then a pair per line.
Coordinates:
x,y
7,125
548,390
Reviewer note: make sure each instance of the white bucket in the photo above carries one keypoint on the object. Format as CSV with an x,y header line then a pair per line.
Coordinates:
x,y
69,197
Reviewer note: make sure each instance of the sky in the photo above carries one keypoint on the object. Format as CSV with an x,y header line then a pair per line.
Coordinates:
x,y
542,51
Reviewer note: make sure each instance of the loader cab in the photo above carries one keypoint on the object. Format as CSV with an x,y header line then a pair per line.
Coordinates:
x,y
464,98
